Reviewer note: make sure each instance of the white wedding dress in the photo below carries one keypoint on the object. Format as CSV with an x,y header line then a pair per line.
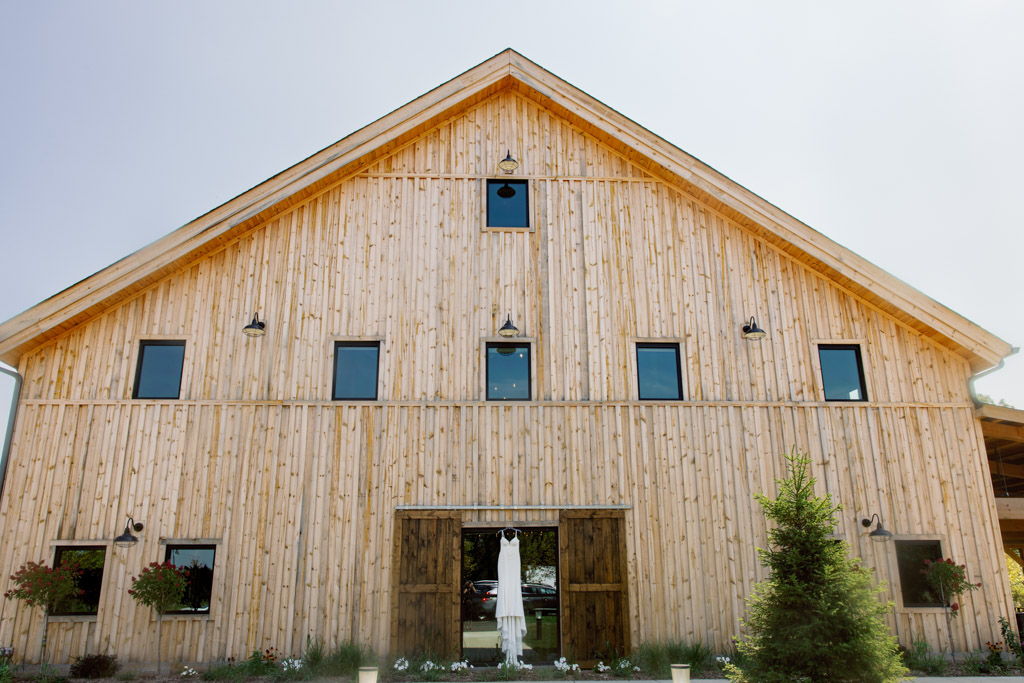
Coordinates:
x,y
509,608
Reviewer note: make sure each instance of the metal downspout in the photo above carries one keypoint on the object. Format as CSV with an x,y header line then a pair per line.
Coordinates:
x,y
973,378
9,437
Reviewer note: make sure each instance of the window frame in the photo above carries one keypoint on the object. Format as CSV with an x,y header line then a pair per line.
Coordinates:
x,y
58,549
143,342
843,344
659,344
169,546
491,342
894,570
531,217
355,342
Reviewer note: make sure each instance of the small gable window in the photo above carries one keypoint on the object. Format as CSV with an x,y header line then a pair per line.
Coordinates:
x,y
158,374
508,204
657,372
842,373
508,372
197,560
355,370
89,562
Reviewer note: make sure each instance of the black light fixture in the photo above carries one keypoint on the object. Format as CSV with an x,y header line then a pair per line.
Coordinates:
x,y
128,539
508,165
508,329
506,191
880,534
255,328
752,331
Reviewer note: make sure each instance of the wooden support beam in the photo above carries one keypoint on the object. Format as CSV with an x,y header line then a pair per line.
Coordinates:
x,y
1006,469
1011,509
1015,553
1000,431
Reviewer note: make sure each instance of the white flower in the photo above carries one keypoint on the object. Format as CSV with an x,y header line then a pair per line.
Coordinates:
x,y
401,664
636,669
624,664
460,666
189,672
564,666
428,666
722,660
291,664
602,668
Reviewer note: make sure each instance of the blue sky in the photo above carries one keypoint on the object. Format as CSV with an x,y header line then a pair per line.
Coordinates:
x,y
892,128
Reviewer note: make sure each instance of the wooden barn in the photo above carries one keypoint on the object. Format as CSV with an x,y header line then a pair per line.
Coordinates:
x,y
502,305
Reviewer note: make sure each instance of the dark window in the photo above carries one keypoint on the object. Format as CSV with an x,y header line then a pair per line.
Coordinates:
x,y
508,372
198,561
910,557
159,372
508,204
657,371
355,370
842,373
89,561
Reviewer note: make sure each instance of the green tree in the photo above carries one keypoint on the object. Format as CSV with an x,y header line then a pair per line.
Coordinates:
x,y
818,616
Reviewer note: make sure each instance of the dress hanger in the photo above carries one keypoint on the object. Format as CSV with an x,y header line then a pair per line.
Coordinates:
x,y
509,528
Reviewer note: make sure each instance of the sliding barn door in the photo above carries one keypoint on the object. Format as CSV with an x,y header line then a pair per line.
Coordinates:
x,y
592,558
425,581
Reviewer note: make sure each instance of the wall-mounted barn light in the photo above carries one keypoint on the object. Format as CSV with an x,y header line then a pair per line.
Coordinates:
x,y
752,331
508,329
255,328
128,539
879,534
508,164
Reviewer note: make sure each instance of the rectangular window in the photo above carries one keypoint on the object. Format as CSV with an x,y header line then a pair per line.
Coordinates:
x,y
508,372
158,374
508,204
910,557
842,374
657,372
89,561
355,370
198,561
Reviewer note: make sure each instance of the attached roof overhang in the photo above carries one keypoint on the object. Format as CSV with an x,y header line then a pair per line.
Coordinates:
x,y
508,69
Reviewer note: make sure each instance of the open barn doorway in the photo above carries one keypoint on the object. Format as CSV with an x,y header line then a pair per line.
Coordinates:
x,y
538,551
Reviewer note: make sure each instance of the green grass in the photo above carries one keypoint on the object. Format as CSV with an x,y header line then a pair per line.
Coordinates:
x,y
657,658
919,658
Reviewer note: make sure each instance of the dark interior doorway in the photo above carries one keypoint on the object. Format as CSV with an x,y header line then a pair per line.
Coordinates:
x,y
538,551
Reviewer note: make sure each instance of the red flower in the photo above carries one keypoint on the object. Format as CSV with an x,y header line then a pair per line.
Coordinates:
x,y
954,606
979,585
927,561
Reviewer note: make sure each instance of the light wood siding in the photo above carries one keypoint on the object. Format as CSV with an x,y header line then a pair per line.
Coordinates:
x,y
302,492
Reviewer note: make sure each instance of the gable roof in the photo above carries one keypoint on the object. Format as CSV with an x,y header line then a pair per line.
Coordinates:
x,y
506,70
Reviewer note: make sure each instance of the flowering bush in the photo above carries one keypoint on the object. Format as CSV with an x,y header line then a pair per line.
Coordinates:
x,y
949,579
515,666
459,667
427,666
401,664
290,664
722,661
160,586
602,668
565,667
41,586
189,672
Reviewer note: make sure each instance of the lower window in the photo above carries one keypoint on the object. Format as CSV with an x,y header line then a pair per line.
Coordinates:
x,y
910,559
89,561
197,560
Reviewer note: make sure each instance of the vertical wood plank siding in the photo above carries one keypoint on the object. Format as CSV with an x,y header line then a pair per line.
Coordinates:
x,y
301,491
